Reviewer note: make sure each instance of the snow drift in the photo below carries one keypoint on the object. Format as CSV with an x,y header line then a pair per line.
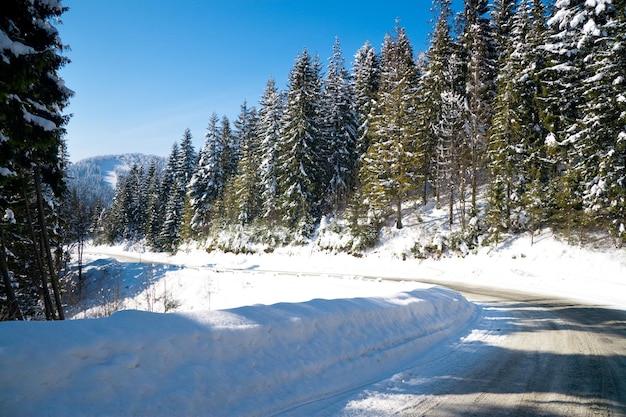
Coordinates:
x,y
254,360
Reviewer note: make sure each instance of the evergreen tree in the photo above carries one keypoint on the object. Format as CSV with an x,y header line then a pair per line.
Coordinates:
x,y
601,139
268,131
187,158
561,103
126,218
154,214
442,76
247,186
172,202
502,13
516,151
208,179
32,155
340,126
366,76
299,170
390,172
231,154
479,89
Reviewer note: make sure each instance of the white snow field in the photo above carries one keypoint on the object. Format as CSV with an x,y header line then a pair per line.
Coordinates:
x,y
252,335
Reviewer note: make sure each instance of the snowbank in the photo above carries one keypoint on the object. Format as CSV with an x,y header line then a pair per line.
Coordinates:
x,y
254,360
543,264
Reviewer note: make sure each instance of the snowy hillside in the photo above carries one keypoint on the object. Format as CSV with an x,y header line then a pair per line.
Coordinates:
x,y
97,177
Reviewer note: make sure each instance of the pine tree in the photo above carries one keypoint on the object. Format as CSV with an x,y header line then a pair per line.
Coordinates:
x,y
208,179
390,172
268,131
573,81
450,133
442,76
502,13
154,214
231,154
187,158
479,89
366,76
172,201
601,146
340,130
32,99
126,218
299,172
246,185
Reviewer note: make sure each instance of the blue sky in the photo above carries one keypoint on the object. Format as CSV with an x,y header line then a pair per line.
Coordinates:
x,y
145,70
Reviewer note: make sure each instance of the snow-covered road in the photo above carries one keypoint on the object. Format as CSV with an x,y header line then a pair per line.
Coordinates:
x,y
328,342
529,355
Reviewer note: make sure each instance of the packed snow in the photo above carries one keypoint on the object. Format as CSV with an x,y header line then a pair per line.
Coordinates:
x,y
294,332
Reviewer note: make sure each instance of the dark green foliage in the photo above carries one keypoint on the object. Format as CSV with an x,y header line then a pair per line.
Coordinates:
x,y
32,157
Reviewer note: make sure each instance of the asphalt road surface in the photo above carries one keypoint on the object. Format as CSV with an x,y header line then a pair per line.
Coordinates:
x,y
555,358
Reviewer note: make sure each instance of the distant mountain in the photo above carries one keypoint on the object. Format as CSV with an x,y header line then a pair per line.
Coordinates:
x,y
95,178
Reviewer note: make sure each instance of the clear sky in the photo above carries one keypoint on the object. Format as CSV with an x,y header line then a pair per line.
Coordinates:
x,y
145,70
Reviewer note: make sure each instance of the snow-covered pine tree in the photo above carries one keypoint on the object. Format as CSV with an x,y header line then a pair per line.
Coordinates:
x,y
477,40
390,170
126,218
173,192
340,130
300,166
501,14
187,158
442,75
208,179
154,214
268,131
516,151
232,152
562,103
136,210
450,134
365,79
601,144
32,157
243,191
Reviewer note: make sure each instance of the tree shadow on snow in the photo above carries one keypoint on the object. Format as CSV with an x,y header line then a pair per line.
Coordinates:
x,y
107,283
471,376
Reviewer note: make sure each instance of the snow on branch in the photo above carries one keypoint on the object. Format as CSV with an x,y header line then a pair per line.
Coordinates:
x,y
14,47
42,122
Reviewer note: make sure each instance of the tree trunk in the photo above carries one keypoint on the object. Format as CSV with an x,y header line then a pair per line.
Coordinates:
x,y
399,214
14,311
54,279
474,178
37,253
451,207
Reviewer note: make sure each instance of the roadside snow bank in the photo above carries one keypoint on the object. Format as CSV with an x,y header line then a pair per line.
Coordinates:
x,y
253,360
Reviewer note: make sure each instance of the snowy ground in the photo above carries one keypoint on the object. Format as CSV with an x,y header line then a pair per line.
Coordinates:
x,y
258,334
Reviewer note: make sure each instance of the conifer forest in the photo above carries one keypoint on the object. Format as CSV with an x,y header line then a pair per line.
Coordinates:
x,y
513,120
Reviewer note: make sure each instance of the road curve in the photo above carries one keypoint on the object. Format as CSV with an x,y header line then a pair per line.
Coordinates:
x,y
553,358
530,355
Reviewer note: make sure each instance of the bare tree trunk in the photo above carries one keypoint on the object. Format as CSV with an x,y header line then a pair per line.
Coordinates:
x,y
474,177
37,251
462,192
451,207
13,308
399,214
54,279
